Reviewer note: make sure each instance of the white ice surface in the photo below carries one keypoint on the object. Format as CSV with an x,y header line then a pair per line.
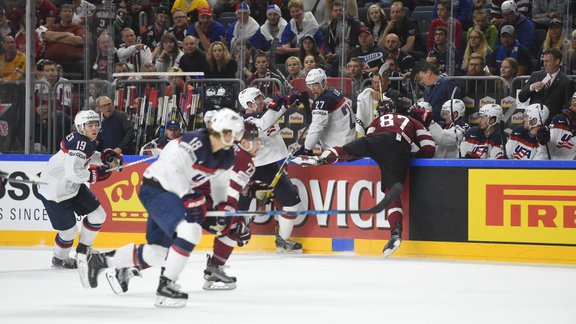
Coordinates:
x,y
276,289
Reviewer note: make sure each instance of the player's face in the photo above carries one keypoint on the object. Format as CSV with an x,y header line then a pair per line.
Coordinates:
x,y
316,89
529,123
483,122
573,105
446,116
91,129
173,132
252,146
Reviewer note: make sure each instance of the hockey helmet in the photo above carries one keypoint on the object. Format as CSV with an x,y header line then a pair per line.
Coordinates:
x,y
423,105
83,117
537,114
386,106
228,120
250,131
208,116
249,95
454,105
492,110
316,76
509,6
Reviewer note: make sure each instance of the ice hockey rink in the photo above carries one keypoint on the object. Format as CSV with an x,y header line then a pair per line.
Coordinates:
x,y
298,289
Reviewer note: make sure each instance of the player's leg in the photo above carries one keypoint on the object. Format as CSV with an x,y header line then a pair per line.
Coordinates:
x,y
86,203
287,195
63,220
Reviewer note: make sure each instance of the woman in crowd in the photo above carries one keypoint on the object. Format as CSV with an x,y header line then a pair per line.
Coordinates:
x,y
377,21
309,47
220,62
170,53
508,71
476,44
294,68
309,64
556,38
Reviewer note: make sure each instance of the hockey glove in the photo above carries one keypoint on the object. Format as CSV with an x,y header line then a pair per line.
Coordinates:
x,y
111,158
305,160
263,192
292,98
543,135
303,151
470,155
98,173
221,223
195,206
242,233
422,115
277,103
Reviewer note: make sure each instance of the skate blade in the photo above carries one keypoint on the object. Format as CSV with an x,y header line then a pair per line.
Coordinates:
x,y
280,250
166,302
82,263
214,285
395,247
113,281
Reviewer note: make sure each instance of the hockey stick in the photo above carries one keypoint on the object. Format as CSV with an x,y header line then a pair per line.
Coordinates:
x,y
393,193
4,176
120,167
542,124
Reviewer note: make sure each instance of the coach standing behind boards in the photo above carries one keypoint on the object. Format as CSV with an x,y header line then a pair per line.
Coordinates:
x,y
116,131
549,87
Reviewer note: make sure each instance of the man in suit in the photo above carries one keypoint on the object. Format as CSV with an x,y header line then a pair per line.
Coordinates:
x,y
550,87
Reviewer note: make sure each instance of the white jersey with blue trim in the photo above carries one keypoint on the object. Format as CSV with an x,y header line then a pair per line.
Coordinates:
x,y
273,147
333,122
523,146
68,168
187,162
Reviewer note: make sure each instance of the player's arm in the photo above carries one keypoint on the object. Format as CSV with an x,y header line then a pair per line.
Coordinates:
x,y
75,163
425,142
319,122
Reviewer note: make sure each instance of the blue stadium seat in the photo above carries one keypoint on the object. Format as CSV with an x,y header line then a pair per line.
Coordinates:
x,y
423,18
423,8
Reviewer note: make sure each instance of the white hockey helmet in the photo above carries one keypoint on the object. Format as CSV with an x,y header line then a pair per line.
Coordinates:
x,y
423,105
83,117
453,105
249,95
508,6
208,116
228,120
492,110
316,76
537,112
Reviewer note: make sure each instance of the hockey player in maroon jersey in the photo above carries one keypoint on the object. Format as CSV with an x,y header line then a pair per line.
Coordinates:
x,y
390,140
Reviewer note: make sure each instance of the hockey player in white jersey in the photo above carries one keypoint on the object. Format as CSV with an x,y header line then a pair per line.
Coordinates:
x,y
272,150
173,230
65,192
528,141
562,143
487,140
333,121
449,136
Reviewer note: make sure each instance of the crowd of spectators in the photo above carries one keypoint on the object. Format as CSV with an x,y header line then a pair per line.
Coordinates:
x,y
284,40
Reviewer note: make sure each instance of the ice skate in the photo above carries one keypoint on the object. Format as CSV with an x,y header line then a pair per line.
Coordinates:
x,y
119,278
216,278
64,264
169,294
394,241
89,266
287,246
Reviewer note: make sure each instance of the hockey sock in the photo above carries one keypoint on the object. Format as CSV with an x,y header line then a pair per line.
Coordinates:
x,y
188,236
91,225
62,247
395,213
285,226
122,257
223,247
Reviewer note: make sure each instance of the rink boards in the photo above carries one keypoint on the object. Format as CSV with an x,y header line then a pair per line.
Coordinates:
x,y
461,209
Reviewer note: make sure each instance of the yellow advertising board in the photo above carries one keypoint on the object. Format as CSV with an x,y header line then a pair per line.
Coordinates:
x,y
522,206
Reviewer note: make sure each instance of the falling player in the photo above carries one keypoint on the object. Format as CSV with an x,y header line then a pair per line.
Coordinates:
x,y
173,230
65,192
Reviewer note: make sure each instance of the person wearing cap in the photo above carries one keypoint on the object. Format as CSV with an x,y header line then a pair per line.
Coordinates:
x,y
206,29
510,47
337,39
155,147
372,55
523,7
152,34
523,26
242,29
301,24
271,29
550,87
543,11
555,38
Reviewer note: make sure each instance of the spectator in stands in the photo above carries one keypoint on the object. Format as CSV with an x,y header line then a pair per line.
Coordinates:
x,y
46,11
242,29
496,10
15,10
94,92
508,71
372,55
113,22
477,65
523,26
377,21
120,68
473,87
309,64
155,147
510,47
438,88
441,47
555,38
206,29
294,68
301,24
269,89
308,46
402,26
170,53
65,43
12,62
543,11
20,39
482,23
550,87
105,58
7,28
247,54
82,10
462,11
392,45
181,25
354,71
135,7
193,59
271,29
188,6
339,42
351,8
135,55
476,45
572,54
393,71
116,131
152,35
220,62
443,19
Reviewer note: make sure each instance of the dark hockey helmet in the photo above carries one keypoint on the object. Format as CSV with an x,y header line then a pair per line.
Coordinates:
x,y
250,131
386,106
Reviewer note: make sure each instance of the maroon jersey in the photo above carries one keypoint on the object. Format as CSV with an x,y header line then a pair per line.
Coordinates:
x,y
407,130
